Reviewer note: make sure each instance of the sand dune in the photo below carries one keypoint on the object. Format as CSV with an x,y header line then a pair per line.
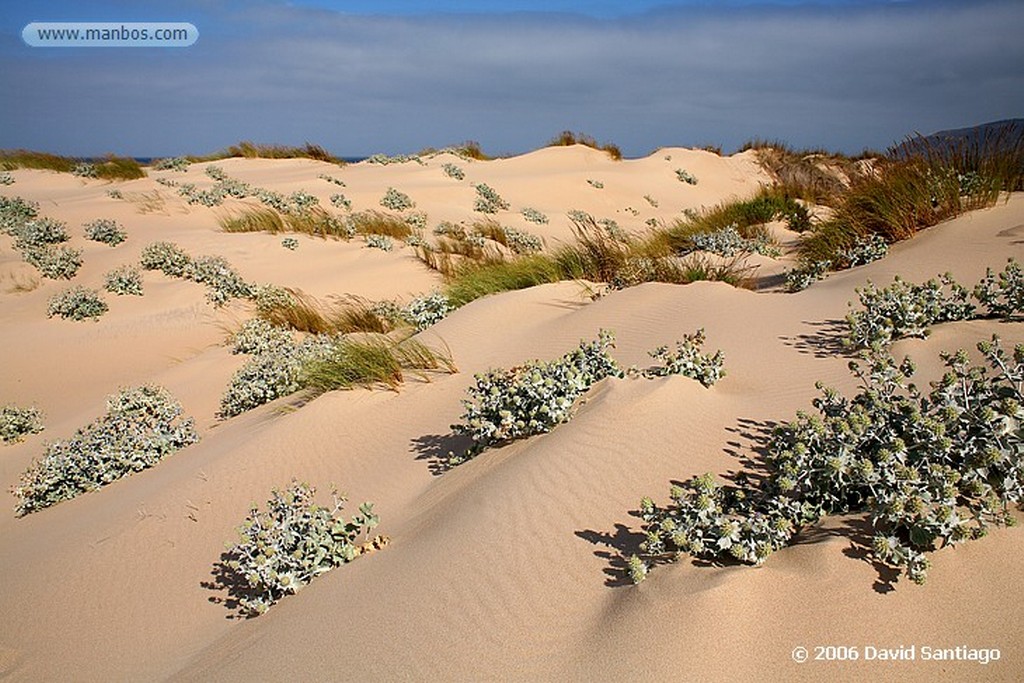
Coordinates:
x,y
503,568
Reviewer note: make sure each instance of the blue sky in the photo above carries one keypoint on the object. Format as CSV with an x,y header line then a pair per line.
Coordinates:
x,y
393,76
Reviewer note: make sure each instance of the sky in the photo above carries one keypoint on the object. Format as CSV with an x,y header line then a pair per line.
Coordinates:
x,y
394,76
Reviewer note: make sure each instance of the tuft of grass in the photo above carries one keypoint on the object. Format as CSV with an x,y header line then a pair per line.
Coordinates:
x,y
251,150
568,138
315,222
472,280
253,220
377,223
109,167
372,361
305,313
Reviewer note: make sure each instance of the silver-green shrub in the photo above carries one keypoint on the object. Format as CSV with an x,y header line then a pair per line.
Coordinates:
x,y
904,309
806,274
105,230
166,257
290,243
16,422
1002,294
488,200
340,201
14,213
332,179
54,262
272,373
179,164
396,200
221,280
424,311
596,184
688,360
534,216
285,546
124,280
40,232
257,336
532,398
930,470
864,250
84,170
684,177
728,242
6,178
77,303
453,171
382,242
141,426
522,242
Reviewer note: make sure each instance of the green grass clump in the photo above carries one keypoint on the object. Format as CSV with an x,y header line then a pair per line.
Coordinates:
x,y
251,150
568,138
284,547
371,361
108,168
16,423
141,426
474,280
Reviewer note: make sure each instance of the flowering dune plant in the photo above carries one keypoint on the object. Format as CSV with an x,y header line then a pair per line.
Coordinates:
x,y
531,398
141,426
294,540
929,470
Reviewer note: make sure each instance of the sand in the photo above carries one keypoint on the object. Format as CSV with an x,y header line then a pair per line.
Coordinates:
x,y
502,569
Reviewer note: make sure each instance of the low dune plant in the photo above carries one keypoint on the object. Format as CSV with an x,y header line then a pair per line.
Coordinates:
x,y
728,242
77,303
453,171
806,274
285,546
596,184
124,280
331,179
6,178
339,201
534,216
929,470
385,160
221,280
864,250
424,311
488,200
688,360
179,164
14,213
532,398
258,336
904,309
382,242
55,262
685,177
84,170
105,230
518,241
290,243
16,423
1002,294
296,310
141,426
396,201
40,232
166,257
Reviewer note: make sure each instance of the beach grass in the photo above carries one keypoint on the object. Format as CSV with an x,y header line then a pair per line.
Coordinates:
x,y
109,167
373,361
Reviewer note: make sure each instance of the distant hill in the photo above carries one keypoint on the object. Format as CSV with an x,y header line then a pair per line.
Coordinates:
x,y
1002,135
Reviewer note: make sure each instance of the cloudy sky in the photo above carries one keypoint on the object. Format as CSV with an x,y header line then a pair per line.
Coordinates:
x,y
362,76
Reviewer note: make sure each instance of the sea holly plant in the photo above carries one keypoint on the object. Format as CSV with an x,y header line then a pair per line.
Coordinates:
x,y
488,200
929,470
532,398
124,280
687,360
105,230
16,423
283,547
904,309
1002,294
77,303
141,426
396,201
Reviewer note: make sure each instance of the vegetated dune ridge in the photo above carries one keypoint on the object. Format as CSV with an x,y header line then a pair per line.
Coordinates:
x,y
499,569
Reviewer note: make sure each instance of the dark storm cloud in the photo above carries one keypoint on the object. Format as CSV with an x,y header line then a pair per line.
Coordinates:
x,y
835,76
